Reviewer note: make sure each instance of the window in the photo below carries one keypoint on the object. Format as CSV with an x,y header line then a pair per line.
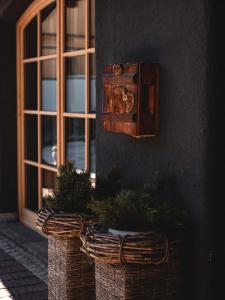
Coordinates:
x,y
56,78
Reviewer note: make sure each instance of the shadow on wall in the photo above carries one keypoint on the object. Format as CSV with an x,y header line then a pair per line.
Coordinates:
x,y
216,150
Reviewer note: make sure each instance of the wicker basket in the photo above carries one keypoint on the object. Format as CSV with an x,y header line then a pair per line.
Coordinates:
x,y
70,272
150,266
137,282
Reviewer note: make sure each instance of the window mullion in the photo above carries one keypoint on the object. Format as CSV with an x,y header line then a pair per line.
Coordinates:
x,y
87,94
59,80
39,107
62,80
87,11
87,138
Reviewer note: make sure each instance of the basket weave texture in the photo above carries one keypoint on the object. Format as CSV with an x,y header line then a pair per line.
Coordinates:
x,y
70,273
137,282
144,266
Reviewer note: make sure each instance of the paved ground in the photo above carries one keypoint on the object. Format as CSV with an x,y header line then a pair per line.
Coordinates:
x,y
23,263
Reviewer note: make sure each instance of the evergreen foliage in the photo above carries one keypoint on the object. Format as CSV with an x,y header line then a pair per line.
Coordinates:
x,y
138,211
108,186
73,190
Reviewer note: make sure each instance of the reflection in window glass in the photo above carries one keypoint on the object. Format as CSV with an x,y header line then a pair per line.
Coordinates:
x,y
31,188
31,139
75,84
48,85
75,142
92,23
48,30
30,86
92,147
30,39
75,25
48,183
92,83
49,138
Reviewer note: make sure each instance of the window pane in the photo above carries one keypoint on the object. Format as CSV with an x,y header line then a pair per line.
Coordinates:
x,y
48,85
30,86
31,140
75,84
92,147
48,30
31,188
75,25
92,23
75,142
92,83
48,183
49,137
30,39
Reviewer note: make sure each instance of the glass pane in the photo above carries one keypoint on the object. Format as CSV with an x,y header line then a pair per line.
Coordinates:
x,y
31,139
30,39
92,83
93,147
48,85
75,142
75,25
48,183
30,86
49,138
31,188
75,84
92,23
48,30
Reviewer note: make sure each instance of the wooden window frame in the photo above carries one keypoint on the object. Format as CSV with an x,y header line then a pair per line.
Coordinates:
x,y
25,215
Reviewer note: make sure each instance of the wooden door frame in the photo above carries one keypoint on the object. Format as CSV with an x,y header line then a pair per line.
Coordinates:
x,y
26,216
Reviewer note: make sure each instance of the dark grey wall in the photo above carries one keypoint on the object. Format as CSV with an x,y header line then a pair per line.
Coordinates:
x,y
8,141
176,35
216,149
10,11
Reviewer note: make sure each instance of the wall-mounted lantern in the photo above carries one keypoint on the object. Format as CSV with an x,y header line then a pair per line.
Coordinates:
x,y
130,101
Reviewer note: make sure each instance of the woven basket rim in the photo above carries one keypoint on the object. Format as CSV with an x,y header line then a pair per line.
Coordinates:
x,y
63,224
145,248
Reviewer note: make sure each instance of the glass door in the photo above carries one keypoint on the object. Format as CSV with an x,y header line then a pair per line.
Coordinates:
x,y
56,96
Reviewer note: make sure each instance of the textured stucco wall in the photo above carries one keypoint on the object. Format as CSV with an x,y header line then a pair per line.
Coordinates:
x,y
174,34
216,149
